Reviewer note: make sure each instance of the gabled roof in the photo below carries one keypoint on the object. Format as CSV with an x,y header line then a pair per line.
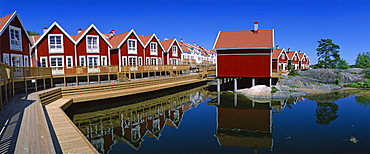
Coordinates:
x,y
55,24
277,52
117,40
246,39
184,47
83,33
168,43
147,39
291,54
301,55
5,22
34,38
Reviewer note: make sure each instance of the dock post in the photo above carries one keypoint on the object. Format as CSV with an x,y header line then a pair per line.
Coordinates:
x,y
64,80
235,99
6,91
253,82
35,84
99,77
44,82
235,84
218,85
270,82
1,98
25,85
88,79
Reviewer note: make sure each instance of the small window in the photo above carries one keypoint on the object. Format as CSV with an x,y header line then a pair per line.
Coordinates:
x,y
92,44
132,46
43,62
56,43
147,61
283,56
153,48
15,38
132,61
26,62
159,61
82,61
174,51
6,59
124,61
154,61
104,60
170,62
56,62
69,62
140,61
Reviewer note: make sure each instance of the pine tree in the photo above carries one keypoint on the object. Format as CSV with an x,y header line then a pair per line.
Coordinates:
x,y
328,54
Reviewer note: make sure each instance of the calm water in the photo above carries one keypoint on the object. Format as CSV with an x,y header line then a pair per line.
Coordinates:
x,y
193,120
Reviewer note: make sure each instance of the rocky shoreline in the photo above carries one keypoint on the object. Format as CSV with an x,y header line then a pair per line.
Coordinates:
x,y
309,81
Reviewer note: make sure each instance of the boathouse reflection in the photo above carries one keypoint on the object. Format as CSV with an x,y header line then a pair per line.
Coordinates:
x,y
243,122
131,123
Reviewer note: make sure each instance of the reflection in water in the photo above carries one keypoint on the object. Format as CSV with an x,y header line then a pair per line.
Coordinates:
x,y
326,112
130,123
363,100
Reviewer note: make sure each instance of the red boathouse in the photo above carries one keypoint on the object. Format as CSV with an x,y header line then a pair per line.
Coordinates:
x,y
244,55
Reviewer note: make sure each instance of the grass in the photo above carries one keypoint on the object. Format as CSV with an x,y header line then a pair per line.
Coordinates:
x,y
292,91
294,86
273,90
365,84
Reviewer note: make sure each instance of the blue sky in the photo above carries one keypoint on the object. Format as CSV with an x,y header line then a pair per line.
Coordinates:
x,y
298,24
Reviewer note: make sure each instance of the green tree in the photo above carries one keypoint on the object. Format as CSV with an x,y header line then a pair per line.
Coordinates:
x,y
328,54
326,112
343,64
363,60
31,33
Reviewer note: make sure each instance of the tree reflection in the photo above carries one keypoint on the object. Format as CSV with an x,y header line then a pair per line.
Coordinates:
x,y
363,100
326,112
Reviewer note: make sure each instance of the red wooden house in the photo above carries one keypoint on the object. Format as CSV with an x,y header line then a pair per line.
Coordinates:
x,y
153,50
127,49
245,54
14,42
293,59
279,60
173,52
92,49
304,62
55,48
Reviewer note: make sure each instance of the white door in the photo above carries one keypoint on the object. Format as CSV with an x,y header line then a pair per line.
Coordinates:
x,y
17,62
93,64
56,64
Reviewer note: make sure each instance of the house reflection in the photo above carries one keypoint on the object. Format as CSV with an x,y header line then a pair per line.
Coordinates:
x,y
129,124
243,122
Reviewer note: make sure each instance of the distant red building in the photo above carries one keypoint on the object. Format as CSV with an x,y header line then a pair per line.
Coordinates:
x,y
304,61
279,60
153,50
293,59
14,42
245,54
172,52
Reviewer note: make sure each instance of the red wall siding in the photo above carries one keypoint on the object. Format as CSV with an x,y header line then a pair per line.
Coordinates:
x,y
124,47
285,60
244,66
250,119
274,64
114,57
81,47
178,51
147,49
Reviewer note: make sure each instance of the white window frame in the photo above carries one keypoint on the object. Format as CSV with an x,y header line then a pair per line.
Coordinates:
x,y
18,41
147,61
67,63
6,58
133,63
83,58
174,51
159,61
282,56
20,62
154,61
92,48
97,61
124,61
132,46
56,50
26,61
153,48
104,63
140,61
57,63
45,59
170,61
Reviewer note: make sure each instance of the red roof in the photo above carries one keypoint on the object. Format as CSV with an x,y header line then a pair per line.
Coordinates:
x,y
245,39
301,55
145,39
167,44
117,39
184,47
34,38
291,54
4,20
276,53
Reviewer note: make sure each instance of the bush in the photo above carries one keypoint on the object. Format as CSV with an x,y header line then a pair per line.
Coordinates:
x,y
273,90
365,84
337,81
294,86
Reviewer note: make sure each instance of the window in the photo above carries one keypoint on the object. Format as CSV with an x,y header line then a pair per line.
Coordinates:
x,y
170,62
147,61
132,61
6,59
124,60
283,56
43,62
93,61
16,60
140,61
56,62
104,61
174,51
26,62
153,48
132,46
82,61
154,61
15,38
159,61
56,43
69,62
92,44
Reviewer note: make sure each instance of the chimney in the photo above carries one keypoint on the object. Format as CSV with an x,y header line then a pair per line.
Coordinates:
x,y
165,39
299,51
111,33
79,31
288,49
44,29
181,40
195,43
255,26
277,47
